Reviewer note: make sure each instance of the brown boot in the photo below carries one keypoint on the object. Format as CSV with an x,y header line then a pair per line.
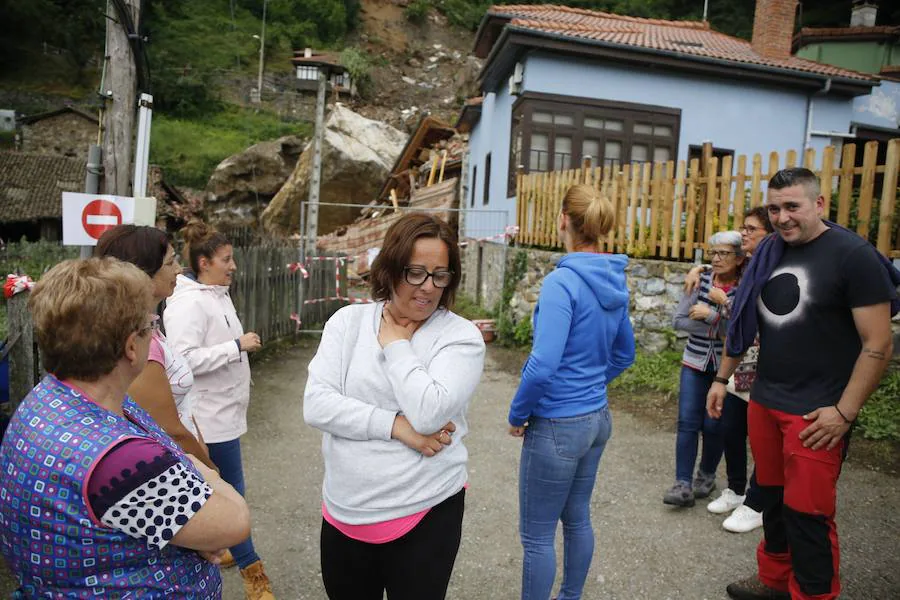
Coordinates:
x,y
754,589
256,582
227,560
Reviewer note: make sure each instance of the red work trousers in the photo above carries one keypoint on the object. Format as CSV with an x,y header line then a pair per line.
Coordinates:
x,y
799,552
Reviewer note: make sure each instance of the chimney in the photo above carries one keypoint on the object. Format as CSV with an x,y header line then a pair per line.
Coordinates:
x,y
307,53
773,27
863,14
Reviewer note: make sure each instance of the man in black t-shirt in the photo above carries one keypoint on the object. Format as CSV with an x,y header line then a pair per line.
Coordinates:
x,y
825,341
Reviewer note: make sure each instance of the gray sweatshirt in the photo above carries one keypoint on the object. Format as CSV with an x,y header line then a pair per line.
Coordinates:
x,y
355,389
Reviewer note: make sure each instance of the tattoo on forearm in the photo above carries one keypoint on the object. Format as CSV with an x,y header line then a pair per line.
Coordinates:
x,y
876,354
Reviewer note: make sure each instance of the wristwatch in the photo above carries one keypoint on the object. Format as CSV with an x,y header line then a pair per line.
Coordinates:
x,y
722,380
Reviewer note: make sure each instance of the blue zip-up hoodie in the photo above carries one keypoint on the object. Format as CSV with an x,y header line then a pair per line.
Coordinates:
x,y
582,338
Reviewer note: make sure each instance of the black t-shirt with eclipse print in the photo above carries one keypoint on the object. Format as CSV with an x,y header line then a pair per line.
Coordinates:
x,y
808,340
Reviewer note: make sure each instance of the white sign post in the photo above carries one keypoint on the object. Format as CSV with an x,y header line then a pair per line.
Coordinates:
x,y
86,217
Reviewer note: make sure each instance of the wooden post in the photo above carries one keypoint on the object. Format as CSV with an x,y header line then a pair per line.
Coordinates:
x,y
120,95
443,164
826,179
888,196
21,353
866,189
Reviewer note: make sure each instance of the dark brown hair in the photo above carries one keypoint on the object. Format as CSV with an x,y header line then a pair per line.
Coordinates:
x,y
142,246
387,270
762,215
201,240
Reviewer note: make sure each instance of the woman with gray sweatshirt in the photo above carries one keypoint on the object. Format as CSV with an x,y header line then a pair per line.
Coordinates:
x,y
389,388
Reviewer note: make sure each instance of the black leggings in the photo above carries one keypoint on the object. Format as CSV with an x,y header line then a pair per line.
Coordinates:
x,y
416,566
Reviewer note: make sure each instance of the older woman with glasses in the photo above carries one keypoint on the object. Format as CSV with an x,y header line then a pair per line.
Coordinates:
x,y
98,501
389,388
700,314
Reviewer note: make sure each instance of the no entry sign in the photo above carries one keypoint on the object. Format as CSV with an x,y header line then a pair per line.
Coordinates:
x,y
87,216
100,216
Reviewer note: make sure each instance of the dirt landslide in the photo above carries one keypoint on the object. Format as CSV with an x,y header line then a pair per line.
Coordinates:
x,y
644,550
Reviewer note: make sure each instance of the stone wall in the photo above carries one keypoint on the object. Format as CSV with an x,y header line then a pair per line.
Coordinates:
x,y
484,267
67,134
655,287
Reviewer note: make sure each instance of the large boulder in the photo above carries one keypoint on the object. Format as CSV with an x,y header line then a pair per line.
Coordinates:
x,y
357,156
243,184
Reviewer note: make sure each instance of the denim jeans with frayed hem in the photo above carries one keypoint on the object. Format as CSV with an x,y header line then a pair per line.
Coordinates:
x,y
692,419
557,471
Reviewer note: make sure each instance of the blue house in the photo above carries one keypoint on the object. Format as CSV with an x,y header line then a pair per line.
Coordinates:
x,y
865,47
560,85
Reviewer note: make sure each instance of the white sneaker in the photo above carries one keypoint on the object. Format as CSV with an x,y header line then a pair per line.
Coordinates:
x,y
742,520
726,502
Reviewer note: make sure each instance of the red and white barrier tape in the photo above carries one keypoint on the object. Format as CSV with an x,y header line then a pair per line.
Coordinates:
x,y
15,284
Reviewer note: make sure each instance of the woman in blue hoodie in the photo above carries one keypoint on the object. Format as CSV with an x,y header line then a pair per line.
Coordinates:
x,y
582,341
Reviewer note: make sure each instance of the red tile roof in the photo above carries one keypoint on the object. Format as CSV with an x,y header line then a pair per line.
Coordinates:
x,y
689,38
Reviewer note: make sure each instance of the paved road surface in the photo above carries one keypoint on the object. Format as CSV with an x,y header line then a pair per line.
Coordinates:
x,y
645,550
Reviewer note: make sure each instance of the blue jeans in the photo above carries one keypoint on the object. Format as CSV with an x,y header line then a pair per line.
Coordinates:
x,y
227,456
558,468
692,419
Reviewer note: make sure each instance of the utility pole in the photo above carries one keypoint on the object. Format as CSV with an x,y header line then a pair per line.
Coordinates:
x,y
118,118
312,207
262,54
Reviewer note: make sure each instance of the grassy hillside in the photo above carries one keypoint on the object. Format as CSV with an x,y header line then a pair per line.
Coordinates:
x,y
188,149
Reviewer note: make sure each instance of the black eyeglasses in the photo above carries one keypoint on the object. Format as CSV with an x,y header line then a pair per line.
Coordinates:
x,y
418,276
750,229
719,253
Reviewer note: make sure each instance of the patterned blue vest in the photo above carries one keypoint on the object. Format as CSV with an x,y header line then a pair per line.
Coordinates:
x,y
47,534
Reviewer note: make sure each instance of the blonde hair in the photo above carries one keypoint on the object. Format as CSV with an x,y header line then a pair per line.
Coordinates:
x,y
84,311
591,215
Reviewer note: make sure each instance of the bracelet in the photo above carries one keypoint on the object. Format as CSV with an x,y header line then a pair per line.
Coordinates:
x,y
846,420
722,380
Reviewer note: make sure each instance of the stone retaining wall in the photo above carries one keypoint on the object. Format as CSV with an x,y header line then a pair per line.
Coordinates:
x,y
655,285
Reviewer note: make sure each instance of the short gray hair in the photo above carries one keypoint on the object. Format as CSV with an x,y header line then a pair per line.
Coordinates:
x,y
728,238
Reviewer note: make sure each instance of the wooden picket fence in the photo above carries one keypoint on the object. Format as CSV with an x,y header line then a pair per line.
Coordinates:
x,y
667,210
269,294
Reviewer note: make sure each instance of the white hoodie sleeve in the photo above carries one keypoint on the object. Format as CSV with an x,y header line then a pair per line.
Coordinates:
x,y
186,331
431,397
325,407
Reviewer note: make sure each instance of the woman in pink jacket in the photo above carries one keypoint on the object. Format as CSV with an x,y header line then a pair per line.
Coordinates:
x,y
202,324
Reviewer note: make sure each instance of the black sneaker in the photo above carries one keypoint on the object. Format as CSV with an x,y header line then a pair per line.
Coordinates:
x,y
754,589
679,494
704,484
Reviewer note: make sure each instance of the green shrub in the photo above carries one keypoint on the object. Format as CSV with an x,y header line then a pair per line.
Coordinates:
x,y
659,372
357,63
417,11
880,416
464,13
466,307
506,326
33,258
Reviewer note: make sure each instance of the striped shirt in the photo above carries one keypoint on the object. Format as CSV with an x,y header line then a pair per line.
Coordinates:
x,y
705,338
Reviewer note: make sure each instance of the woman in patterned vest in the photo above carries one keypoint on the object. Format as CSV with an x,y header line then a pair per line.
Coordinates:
x,y
701,314
95,499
